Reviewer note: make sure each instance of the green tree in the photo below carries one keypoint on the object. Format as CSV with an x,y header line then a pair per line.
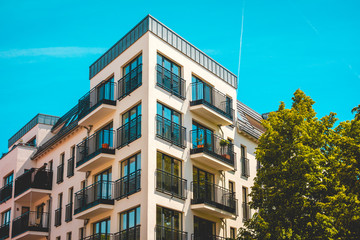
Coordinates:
x,y
295,187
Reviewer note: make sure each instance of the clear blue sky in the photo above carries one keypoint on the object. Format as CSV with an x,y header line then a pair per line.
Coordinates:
x,y
46,48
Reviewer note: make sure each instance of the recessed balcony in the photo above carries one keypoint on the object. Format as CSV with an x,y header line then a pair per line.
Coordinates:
x,y
96,150
212,199
97,103
31,225
33,185
211,150
93,200
211,104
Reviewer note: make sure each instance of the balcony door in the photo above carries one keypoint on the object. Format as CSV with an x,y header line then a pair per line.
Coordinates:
x,y
171,123
202,137
171,170
105,137
201,91
105,90
203,184
102,229
103,188
169,224
130,124
171,74
204,229
130,173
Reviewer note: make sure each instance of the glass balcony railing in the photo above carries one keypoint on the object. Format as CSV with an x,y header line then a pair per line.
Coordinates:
x,y
129,132
130,82
214,195
212,98
40,178
128,185
170,131
6,192
165,233
171,184
100,142
170,82
212,144
132,233
30,221
100,192
103,93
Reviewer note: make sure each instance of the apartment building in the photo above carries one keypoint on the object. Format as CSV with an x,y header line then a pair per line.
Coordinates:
x,y
159,148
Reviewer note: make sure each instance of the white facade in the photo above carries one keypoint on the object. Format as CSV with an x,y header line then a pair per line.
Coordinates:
x,y
147,195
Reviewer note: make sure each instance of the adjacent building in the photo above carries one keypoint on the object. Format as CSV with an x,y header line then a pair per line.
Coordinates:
x,y
159,148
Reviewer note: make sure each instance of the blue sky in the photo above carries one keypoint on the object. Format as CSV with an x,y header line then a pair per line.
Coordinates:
x,y
46,48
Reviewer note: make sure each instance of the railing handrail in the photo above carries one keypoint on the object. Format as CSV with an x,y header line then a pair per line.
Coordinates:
x,y
172,123
28,213
171,175
97,234
171,229
32,170
171,73
135,75
205,132
207,183
181,94
7,185
92,185
94,135
96,87
136,122
132,120
135,69
137,172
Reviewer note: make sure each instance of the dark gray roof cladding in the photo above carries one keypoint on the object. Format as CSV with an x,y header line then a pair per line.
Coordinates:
x,y
244,125
151,24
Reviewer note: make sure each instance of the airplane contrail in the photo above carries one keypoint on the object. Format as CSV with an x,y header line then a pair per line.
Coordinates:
x,y
241,35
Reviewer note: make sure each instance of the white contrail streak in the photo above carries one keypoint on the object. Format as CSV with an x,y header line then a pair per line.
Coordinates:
x,y
241,35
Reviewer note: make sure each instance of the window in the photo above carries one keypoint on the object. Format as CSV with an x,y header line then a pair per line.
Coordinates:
x,y
69,206
129,221
168,77
104,185
39,210
60,169
232,233
71,161
32,142
81,233
131,114
245,204
168,113
51,165
168,218
245,171
5,217
169,176
60,199
68,236
58,238
102,228
131,126
6,190
201,176
202,136
8,180
231,186
132,77
131,165
204,229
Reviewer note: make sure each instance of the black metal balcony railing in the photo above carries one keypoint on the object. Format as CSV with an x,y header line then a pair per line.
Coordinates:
x,y
212,144
128,234
129,132
245,169
100,192
6,192
246,211
128,185
34,178
60,174
171,184
103,93
100,142
170,82
5,231
68,212
212,98
99,236
30,221
170,131
70,167
203,236
58,217
164,233
214,195
130,82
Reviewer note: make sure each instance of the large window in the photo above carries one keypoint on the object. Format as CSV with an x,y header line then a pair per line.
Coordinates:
x,y
168,218
9,179
132,77
204,229
131,165
169,113
104,187
202,136
129,224
131,126
101,229
5,217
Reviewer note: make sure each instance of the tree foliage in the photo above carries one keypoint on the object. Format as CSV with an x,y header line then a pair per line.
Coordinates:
x,y
308,187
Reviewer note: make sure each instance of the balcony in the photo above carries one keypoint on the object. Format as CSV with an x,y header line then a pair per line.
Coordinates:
x,y
57,217
94,199
33,185
170,184
128,185
128,234
30,225
130,82
212,199
71,166
68,212
99,236
170,131
96,150
246,211
245,168
97,103
60,174
211,150
129,132
5,231
203,236
164,233
6,193
211,104
170,82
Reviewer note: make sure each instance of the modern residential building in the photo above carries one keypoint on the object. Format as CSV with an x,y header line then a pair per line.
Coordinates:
x,y
159,148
